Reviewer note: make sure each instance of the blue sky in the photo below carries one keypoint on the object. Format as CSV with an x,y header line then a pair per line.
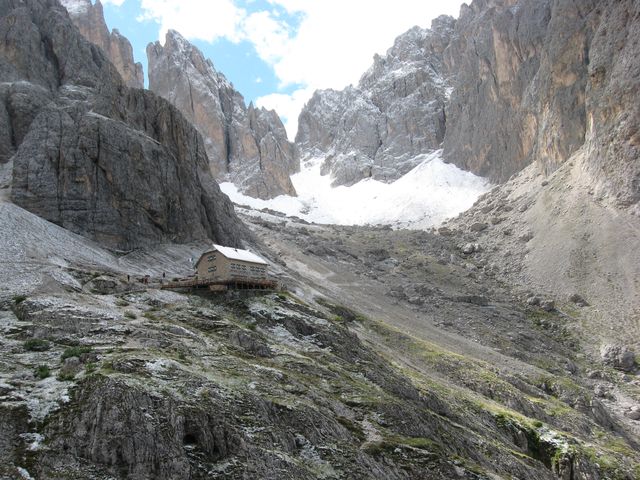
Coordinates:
x,y
277,52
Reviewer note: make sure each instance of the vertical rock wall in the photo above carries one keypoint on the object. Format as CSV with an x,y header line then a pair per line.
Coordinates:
x,y
247,146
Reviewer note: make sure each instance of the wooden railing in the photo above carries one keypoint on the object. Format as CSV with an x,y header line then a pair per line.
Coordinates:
x,y
244,283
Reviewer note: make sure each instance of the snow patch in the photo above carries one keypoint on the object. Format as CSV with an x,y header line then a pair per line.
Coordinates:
x,y
34,440
76,7
426,196
46,397
160,365
24,474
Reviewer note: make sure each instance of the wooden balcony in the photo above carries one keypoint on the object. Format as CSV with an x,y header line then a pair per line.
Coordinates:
x,y
235,283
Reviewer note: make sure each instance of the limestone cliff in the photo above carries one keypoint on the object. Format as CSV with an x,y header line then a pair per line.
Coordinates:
x,y
90,21
534,81
493,60
568,222
612,134
246,145
119,165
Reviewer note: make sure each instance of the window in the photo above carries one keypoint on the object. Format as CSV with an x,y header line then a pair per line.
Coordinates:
x,y
211,258
212,269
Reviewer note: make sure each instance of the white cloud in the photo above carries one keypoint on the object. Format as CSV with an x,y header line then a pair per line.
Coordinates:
x,y
117,3
205,20
269,36
331,48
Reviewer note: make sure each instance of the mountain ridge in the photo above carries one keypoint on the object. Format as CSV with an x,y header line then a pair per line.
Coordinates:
x,y
396,112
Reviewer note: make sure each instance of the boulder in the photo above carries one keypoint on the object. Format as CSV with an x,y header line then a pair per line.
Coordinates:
x,y
548,305
619,357
601,391
633,413
478,227
469,248
251,343
526,237
473,299
578,300
534,301
70,367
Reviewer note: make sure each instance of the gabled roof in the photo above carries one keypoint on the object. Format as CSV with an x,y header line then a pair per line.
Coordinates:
x,y
235,254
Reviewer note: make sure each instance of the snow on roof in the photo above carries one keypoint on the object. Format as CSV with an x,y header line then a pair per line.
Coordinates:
x,y
237,254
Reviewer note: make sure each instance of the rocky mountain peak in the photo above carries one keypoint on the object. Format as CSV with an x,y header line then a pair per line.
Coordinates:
x,y
89,18
174,41
396,112
417,42
258,160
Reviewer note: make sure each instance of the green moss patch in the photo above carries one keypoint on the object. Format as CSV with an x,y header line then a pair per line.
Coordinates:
x,y
74,352
36,345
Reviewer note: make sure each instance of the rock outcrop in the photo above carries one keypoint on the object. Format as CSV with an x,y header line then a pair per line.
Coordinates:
x,y
246,145
119,165
618,356
178,398
396,112
90,21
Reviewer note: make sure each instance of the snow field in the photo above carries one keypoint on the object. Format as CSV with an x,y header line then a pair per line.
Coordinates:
x,y
426,196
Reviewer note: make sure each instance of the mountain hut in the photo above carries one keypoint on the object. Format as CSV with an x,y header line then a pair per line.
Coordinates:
x,y
230,264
